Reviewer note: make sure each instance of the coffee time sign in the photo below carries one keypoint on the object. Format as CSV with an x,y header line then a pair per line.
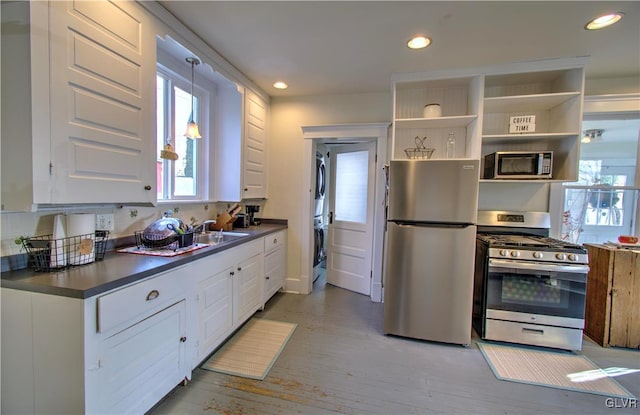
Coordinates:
x,y
522,124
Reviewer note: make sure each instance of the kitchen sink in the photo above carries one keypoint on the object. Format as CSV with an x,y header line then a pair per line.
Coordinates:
x,y
213,238
231,233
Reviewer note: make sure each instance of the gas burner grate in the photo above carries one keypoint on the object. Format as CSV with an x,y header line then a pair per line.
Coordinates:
x,y
527,241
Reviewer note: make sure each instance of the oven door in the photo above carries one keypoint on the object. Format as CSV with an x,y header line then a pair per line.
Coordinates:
x,y
534,288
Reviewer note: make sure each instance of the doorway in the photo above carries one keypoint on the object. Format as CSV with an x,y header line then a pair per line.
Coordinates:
x,y
329,137
350,220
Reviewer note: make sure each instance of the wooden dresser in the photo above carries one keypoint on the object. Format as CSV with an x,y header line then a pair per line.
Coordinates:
x,y
612,313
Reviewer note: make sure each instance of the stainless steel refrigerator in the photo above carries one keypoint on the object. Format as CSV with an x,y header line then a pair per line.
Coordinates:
x,y
430,252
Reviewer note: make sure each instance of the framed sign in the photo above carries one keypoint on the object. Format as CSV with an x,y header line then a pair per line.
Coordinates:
x,y
522,124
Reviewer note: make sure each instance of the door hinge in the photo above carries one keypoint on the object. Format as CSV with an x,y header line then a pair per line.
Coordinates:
x,y
371,274
50,168
375,158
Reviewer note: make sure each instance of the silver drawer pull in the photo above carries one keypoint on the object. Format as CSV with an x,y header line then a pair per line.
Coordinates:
x,y
153,295
275,240
533,331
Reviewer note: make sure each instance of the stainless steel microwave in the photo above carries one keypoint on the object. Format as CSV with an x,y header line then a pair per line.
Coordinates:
x,y
518,165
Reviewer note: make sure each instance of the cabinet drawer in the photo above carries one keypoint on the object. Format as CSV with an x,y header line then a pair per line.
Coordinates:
x,y
274,241
138,301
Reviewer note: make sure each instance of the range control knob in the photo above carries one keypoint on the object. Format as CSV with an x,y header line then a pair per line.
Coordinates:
x,y
561,256
515,254
572,257
504,252
537,255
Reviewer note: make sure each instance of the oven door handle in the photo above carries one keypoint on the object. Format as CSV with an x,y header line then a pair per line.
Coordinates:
x,y
537,266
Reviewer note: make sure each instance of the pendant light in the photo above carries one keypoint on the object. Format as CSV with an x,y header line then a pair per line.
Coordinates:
x,y
168,153
192,127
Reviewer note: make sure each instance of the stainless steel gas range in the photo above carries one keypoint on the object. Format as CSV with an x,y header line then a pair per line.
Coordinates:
x,y
528,288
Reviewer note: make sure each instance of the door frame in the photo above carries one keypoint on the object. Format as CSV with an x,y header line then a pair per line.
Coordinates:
x,y
343,133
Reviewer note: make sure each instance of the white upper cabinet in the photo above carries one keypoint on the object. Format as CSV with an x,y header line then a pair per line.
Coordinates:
x,y
240,168
83,130
254,150
554,97
477,104
458,100
103,103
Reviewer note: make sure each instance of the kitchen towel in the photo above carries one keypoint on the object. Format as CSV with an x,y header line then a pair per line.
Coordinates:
x,y
81,229
58,247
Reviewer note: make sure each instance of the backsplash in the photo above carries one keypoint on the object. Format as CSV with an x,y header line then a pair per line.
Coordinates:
x,y
127,220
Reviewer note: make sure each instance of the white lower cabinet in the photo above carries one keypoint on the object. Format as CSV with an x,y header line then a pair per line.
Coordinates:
x,y
275,246
215,310
144,362
140,346
228,293
122,351
249,286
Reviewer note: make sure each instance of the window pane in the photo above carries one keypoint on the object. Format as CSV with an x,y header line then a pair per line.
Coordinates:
x,y
161,107
351,186
185,179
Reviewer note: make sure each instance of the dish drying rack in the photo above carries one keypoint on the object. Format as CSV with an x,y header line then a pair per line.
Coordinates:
x,y
46,254
420,151
151,240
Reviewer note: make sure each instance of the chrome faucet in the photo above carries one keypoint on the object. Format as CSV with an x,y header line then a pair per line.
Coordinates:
x,y
201,228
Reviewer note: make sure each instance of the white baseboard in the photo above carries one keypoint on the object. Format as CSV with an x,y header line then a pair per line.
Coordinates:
x,y
376,292
298,285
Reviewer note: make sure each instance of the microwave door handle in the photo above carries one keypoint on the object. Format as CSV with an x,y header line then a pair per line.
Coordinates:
x,y
577,269
540,163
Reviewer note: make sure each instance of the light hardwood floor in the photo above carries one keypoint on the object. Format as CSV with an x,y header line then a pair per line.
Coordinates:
x,y
338,361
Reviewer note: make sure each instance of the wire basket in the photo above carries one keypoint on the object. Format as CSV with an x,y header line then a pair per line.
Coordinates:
x,y
47,254
162,241
419,153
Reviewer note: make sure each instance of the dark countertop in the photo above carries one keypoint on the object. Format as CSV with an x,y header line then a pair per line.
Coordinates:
x,y
119,269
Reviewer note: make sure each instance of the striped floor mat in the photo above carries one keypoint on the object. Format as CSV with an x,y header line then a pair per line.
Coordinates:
x,y
562,370
253,350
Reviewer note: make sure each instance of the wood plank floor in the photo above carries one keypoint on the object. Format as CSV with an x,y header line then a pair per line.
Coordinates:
x,y
339,362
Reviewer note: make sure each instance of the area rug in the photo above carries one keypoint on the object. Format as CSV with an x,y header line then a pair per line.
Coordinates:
x,y
253,350
561,370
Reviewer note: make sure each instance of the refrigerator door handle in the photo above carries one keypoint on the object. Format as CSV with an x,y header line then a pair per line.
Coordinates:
x,y
433,224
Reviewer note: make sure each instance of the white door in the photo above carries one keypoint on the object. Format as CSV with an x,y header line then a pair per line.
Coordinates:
x,y
350,232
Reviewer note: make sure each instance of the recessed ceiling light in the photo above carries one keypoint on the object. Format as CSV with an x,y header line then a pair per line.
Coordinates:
x,y
419,42
280,85
604,21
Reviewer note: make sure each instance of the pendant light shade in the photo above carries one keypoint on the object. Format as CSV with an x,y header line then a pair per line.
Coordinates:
x,y
192,128
168,152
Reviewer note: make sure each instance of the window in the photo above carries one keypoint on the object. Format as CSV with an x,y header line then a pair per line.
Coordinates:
x,y
182,179
603,203
351,189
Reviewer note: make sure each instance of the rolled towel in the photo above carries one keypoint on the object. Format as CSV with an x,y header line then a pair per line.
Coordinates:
x,y
81,229
58,246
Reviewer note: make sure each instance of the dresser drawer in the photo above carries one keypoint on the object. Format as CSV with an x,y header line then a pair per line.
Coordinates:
x,y
274,241
139,301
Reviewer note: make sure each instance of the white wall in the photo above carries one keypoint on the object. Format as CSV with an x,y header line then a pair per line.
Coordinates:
x,y
127,220
285,154
607,86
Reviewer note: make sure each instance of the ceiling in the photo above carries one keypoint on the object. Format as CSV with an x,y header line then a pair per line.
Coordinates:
x,y
333,47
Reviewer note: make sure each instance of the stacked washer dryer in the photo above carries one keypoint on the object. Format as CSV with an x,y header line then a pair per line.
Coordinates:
x,y
319,256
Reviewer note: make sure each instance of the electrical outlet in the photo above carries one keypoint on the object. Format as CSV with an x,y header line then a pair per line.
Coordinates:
x,y
104,222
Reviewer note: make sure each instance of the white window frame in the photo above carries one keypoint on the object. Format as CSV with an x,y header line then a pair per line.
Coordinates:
x,y
173,77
